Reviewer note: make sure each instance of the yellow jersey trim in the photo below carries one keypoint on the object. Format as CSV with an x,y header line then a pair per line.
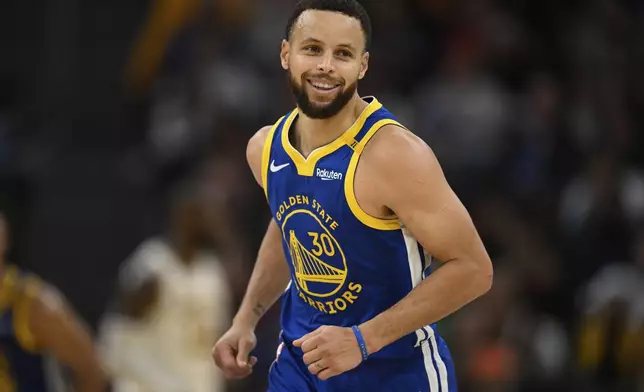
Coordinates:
x,y
266,155
306,166
349,191
22,310
7,290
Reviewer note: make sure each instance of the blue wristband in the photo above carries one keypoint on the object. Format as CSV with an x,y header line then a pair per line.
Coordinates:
x,y
361,343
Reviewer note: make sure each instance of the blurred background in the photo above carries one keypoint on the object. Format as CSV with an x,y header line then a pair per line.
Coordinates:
x,y
123,127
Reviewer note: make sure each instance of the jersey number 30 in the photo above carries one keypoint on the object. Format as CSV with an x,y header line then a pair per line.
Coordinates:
x,y
322,243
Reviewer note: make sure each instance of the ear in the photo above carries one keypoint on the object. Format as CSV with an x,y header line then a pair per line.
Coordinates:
x,y
284,53
364,66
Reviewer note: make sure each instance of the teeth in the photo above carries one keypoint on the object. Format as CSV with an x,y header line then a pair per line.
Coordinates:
x,y
324,86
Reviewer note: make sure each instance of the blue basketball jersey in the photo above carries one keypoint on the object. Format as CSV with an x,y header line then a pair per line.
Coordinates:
x,y
21,365
346,266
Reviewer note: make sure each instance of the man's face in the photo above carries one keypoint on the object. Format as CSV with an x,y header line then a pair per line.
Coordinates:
x,y
324,58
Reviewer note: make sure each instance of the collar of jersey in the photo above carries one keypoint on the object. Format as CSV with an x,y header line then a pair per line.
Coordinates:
x,y
306,166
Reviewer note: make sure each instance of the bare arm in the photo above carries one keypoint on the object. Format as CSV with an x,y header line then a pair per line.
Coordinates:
x,y
427,206
268,280
59,331
270,275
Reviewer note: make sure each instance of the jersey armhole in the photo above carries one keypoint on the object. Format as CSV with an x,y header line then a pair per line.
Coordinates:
x,y
349,189
266,155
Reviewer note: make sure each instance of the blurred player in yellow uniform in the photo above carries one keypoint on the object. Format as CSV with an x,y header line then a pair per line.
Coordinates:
x,y
36,324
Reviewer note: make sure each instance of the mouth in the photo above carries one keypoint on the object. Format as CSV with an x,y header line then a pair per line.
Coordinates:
x,y
323,87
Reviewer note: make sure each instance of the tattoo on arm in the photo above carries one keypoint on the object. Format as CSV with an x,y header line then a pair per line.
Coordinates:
x,y
259,310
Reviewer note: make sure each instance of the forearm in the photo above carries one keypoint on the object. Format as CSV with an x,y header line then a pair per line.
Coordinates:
x,y
88,372
451,287
268,280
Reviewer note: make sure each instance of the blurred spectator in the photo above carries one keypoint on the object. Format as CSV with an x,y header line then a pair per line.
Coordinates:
x,y
173,302
598,209
605,181
463,113
611,346
542,157
516,336
165,24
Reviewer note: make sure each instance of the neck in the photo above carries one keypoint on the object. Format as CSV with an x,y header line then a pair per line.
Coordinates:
x,y
184,249
312,133
187,254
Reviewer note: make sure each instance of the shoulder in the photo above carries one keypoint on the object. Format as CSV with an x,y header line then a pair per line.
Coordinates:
x,y
255,150
49,301
27,286
146,264
394,135
256,143
394,150
400,168
39,295
150,256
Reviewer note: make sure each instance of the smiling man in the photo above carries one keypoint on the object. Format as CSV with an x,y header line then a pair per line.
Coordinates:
x,y
360,207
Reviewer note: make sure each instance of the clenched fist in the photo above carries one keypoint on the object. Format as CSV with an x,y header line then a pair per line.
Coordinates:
x,y
232,352
330,351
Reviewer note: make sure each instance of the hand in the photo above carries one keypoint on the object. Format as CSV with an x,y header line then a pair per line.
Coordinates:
x,y
330,351
232,352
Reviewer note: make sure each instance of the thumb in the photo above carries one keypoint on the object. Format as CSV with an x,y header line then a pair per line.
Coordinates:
x,y
243,352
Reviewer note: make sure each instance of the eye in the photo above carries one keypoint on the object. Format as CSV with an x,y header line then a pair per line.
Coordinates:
x,y
345,53
312,49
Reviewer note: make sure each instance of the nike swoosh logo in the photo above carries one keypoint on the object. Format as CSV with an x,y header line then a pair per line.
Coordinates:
x,y
275,169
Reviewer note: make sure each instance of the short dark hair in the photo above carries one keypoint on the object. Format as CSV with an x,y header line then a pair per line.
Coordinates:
x,y
351,8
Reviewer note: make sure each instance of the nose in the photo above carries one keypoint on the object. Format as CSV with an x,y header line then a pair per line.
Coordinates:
x,y
326,63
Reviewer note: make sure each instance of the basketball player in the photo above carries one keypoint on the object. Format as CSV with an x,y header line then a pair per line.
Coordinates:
x,y
357,202
35,325
173,301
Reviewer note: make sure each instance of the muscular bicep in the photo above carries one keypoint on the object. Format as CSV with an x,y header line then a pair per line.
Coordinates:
x,y
437,219
411,184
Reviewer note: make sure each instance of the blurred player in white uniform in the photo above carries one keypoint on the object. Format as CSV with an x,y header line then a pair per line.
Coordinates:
x,y
173,302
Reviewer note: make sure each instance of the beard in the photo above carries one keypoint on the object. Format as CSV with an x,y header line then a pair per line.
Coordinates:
x,y
319,111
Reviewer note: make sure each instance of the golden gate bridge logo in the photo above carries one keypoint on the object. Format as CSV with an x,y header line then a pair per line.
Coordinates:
x,y
314,272
309,268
